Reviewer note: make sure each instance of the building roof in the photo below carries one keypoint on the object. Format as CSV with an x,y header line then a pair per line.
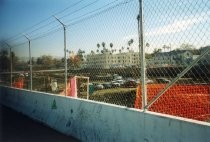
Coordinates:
x,y
176,52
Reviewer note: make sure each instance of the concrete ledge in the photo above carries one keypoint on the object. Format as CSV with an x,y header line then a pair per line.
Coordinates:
x,y
93,121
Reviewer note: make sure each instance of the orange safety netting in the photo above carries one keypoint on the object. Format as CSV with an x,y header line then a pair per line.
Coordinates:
x,y
18,83
189,101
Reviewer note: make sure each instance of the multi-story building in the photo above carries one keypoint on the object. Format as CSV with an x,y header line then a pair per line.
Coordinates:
x,y
108,60
173,58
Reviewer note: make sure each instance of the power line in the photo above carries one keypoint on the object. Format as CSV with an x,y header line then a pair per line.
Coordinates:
x,y
93,11
42,21
43,26
68,7
52,30
63,16
80,9
99,13
89,17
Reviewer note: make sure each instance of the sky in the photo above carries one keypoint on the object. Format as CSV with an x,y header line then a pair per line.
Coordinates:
x,y
89,22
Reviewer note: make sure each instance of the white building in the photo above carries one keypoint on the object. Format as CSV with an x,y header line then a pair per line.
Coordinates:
x,y
173,58
108,60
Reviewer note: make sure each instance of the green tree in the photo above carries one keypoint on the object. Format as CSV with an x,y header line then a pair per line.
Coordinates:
x,y
186,46
98,45
4,60
103,45
15,60
76,61
111,45
46,61
130,42
156,50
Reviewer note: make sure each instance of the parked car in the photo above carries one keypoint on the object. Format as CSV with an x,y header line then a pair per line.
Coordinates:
x,y
130,83
99,87
162,80
107,85
149,81
121,82
115,84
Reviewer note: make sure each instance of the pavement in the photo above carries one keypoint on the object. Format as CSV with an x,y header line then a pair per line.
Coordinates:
x,y
15,127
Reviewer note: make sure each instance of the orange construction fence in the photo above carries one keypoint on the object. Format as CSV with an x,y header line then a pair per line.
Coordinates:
x,y
189,101
19,83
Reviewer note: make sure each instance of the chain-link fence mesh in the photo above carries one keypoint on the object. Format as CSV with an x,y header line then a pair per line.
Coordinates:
x,y
103,53
176,34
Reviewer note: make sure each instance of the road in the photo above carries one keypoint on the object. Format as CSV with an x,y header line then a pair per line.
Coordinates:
x,y
15,127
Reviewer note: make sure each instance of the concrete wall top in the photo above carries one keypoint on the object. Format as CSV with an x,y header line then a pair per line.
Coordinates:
x,y
94,121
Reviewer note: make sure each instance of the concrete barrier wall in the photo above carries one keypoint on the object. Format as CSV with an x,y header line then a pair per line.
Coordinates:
x,y
94,122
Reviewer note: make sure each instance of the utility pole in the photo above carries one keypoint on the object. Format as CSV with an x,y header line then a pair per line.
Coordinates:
x,y
65,60
142,54
30,63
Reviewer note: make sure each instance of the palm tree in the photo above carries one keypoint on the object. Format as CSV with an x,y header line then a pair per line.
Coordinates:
x,y
157,50
92,52
130,42
111,45
98,45
122,48
128,48
103,44
164,47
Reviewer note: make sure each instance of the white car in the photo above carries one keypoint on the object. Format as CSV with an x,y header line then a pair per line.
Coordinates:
x,y
115,84
99,87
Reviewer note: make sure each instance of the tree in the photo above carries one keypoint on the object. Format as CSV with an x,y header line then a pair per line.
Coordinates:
x,y
164,47
103,44
111,45
130,42
80,54
75,61
128,48
122,48
14,59
45,61
186,46
4,60
92,52
157,50
98,45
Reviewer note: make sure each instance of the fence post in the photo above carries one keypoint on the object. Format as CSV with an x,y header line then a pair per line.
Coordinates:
x,y
140,19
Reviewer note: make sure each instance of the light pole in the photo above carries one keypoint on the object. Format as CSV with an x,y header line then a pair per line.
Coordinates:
x,y
142,53
30,63
65,60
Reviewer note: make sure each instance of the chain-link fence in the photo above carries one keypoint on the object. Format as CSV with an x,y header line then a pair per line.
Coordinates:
x,y
102,41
